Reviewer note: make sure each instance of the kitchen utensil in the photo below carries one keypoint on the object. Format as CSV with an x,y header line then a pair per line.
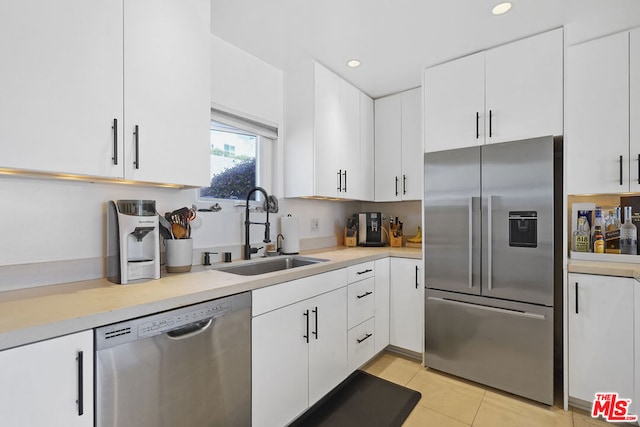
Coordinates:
x,y
178,230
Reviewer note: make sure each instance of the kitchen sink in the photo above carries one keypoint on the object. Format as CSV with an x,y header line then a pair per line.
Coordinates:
x,y
269,266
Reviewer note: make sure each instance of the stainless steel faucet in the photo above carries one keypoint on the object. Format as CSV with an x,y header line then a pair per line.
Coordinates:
x,y
248,250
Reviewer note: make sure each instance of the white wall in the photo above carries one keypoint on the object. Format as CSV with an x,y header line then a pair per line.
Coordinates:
x,y
591,19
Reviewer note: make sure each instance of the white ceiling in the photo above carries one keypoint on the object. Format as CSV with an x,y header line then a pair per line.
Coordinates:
x,y
396,39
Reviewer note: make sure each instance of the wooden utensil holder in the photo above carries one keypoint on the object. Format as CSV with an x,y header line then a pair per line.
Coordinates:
x,y
350,242
395,242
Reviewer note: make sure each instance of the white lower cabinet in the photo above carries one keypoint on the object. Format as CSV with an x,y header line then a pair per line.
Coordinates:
x,y
381,309
406,295
361,344
601,344
299,350
49,383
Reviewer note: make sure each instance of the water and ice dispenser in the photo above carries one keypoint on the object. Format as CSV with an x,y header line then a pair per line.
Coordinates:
x,y
133,246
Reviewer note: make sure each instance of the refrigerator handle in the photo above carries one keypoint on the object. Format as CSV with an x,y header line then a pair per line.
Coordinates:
x,y
470,201
516,313
489,239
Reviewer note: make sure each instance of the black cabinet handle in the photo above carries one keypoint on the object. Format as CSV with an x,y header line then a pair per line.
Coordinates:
x,y
576,297
345,181
620,170
315,311
364,295
115,141
306,315
136,134
80,400
416,277
490,123
477,125
638,168
368,270
339,180
404,184
365,338
396,185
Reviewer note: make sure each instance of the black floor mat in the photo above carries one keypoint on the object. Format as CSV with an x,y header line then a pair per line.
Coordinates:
x,y
362,400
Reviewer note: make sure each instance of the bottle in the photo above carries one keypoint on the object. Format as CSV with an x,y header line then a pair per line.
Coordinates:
x,y
612,234
628,234
598,240
598,221
581,236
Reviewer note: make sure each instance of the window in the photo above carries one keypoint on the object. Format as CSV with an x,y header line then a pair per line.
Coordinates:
x,y
240,157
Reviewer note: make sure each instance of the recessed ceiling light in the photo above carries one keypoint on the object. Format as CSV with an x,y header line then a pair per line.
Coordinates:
x,y
354,63
501,8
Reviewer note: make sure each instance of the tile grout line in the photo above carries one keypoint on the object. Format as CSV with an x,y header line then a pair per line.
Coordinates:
x,y
484,393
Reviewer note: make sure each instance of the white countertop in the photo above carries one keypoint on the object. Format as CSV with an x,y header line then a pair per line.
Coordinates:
x,y
35,314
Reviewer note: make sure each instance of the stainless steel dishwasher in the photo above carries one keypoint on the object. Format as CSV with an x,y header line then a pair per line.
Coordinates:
x,y
186,367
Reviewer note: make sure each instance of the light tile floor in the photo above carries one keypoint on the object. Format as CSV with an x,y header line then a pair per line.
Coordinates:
x,y
449,401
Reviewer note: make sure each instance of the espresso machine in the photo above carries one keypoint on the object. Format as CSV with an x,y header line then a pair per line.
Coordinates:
x,y
133,246
371,229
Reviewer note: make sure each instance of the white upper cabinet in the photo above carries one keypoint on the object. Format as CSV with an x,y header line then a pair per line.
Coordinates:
x,y
398,147
634,109
323,141
62,86
507,93
83,74
167,91
454,104
367,149
597,140
524,88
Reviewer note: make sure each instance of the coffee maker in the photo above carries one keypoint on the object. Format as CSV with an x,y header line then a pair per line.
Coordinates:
x,y
371,229
133,246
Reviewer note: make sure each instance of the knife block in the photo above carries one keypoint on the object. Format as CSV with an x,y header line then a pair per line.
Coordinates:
x,y
350,242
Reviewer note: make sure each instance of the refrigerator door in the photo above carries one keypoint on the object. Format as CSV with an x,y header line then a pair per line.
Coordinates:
x,y
517,229
503,344
452,220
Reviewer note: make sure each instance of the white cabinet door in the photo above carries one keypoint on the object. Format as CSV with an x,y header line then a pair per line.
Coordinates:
x,y
601,348
597,137
327,132
62,86
280,365
412,150
523,88
381,310
327,342
634,113
40,383
166,91
406,304
388,148
348,157
454,104
367,150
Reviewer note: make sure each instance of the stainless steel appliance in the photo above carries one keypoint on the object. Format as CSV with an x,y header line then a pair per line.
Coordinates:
x,y
186,367
492,263
133,245
371,229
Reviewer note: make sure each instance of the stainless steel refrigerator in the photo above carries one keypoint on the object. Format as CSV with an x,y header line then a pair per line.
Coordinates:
x,y
491,263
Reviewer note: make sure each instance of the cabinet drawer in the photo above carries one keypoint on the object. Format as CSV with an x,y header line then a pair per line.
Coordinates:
x,y
361,271
361,301
360,345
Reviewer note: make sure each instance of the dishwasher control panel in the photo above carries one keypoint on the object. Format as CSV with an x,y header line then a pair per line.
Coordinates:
x,y
161,323
178,320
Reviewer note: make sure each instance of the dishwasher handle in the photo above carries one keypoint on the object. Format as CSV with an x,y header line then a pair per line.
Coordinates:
x,y
190,330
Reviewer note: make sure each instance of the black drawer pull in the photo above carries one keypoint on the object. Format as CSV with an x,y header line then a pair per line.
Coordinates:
x,y
365,338
368,270
306,314
364,295
80,400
